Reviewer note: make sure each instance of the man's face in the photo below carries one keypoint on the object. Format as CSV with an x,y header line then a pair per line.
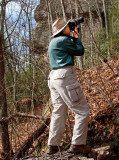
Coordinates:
x,y
66,30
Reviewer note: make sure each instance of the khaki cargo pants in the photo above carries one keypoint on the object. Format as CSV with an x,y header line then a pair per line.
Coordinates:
x,y
66,92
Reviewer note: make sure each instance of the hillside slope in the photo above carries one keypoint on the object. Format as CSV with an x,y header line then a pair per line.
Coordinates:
x,y
100,85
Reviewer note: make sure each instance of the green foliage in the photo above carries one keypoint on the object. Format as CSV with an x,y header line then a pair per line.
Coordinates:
x,y
28,79
117,122
115,142
8,77
110,41
113,14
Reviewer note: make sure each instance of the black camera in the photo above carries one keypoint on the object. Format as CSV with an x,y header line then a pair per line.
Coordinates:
x,y
76,22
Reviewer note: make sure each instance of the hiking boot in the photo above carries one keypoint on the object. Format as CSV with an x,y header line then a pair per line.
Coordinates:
x,y
52,149
79,149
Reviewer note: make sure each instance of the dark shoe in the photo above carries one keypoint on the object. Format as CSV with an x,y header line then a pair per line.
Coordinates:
x,y
79,149
52,149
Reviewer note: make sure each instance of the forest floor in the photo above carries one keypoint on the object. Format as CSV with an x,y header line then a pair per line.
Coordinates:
x,y
100,85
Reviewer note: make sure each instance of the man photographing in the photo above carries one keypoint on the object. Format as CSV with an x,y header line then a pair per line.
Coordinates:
x,y
65,89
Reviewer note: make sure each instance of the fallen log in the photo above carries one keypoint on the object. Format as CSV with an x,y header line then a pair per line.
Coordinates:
x,y
28,143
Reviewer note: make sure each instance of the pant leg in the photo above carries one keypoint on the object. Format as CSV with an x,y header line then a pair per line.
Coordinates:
x,y
58,118
71,93
80,129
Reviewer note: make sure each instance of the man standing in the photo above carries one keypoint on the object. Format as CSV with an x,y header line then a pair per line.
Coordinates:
x,y
65,89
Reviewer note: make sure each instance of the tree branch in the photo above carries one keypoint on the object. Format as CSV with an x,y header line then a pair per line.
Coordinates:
x,y
7,119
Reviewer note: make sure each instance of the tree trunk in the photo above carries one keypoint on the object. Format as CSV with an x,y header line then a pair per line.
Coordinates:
x,y
3,105
49,20
99,13
50,12
63,10
92,34
3,101
79,59
105,7
70,5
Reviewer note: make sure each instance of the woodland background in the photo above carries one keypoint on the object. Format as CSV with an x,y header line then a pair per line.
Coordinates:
x,y
25,104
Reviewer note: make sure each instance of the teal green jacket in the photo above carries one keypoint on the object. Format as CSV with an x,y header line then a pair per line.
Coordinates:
x,y
62,50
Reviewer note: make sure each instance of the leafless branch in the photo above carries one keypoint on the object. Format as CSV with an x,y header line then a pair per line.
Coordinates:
x,y
21,115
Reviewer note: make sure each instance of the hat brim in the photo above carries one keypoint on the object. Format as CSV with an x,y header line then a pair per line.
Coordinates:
x,y
60,29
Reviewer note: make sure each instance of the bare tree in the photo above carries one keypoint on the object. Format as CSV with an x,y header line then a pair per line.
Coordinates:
x,y
105,7
92,33
63,9
80,58
70,4
3,101
50,19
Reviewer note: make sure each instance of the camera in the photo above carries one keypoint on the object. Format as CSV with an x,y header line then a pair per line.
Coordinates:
x,y
73,24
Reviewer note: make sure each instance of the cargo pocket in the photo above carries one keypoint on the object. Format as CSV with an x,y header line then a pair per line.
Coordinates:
x,y
74,91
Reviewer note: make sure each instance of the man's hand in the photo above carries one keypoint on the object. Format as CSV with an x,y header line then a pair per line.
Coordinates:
x,y
75,32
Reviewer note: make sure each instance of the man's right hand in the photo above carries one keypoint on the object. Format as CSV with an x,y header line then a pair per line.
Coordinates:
x,y
75,32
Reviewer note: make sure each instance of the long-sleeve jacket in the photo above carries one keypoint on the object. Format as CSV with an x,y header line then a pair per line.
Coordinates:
x,y
62,50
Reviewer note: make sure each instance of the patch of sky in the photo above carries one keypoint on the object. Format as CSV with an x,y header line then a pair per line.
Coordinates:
x,y
17,17
17,22
13,10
